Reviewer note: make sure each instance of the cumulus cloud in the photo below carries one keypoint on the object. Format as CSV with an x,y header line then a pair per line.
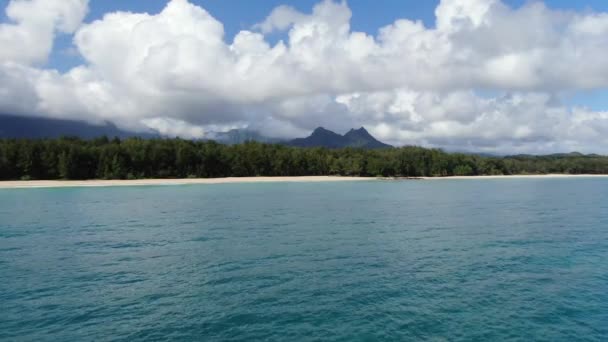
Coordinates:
x,y
177,72
280,19
174,128
518,122
28,38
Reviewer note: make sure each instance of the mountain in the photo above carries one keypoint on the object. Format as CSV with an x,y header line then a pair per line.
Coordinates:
x,y
239,136
37,128
322,137
362,139
12,126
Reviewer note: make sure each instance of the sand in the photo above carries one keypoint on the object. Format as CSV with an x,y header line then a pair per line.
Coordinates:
x,y
102,183
139,182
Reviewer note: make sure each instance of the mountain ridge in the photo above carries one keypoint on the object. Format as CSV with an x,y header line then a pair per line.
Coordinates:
x,y
17,127
240,136
355,138
13,126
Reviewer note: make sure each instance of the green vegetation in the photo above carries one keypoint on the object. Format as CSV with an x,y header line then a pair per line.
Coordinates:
x,y
72,158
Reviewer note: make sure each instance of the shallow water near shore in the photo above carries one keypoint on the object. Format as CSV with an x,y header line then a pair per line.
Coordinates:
x,y
514,259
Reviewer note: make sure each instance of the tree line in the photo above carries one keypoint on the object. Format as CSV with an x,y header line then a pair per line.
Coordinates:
x,y
134,158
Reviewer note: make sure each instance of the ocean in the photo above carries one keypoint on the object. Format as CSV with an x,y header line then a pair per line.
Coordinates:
x,y
449,260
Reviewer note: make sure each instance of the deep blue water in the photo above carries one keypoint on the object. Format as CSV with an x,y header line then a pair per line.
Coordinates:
x,y
485,260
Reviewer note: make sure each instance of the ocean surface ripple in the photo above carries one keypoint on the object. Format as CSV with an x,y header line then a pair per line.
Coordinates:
x,y
485,260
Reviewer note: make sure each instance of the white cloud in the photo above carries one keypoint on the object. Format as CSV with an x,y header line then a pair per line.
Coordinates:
x,y
280,19
29,38
175,128
176,72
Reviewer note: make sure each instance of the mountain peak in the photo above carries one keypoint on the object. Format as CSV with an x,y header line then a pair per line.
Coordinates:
x,y
323,131
321,137
360,131
361,138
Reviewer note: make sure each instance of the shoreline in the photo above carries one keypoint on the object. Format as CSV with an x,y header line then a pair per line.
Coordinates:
x,y
237,180
179,181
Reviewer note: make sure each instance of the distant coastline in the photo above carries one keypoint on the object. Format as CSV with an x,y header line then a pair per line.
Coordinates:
x,y
182,181
102,158
232,180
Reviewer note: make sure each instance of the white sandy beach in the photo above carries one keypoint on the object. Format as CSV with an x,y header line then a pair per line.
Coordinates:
x,y
102,183
187,181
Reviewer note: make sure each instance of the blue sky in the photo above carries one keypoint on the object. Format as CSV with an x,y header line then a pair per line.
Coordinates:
x,y
237,15
368,16
513,83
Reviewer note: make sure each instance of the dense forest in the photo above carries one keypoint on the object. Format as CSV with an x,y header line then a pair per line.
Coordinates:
x,y
102,158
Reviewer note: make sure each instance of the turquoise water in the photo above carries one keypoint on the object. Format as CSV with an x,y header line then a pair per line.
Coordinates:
x,y
485,260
